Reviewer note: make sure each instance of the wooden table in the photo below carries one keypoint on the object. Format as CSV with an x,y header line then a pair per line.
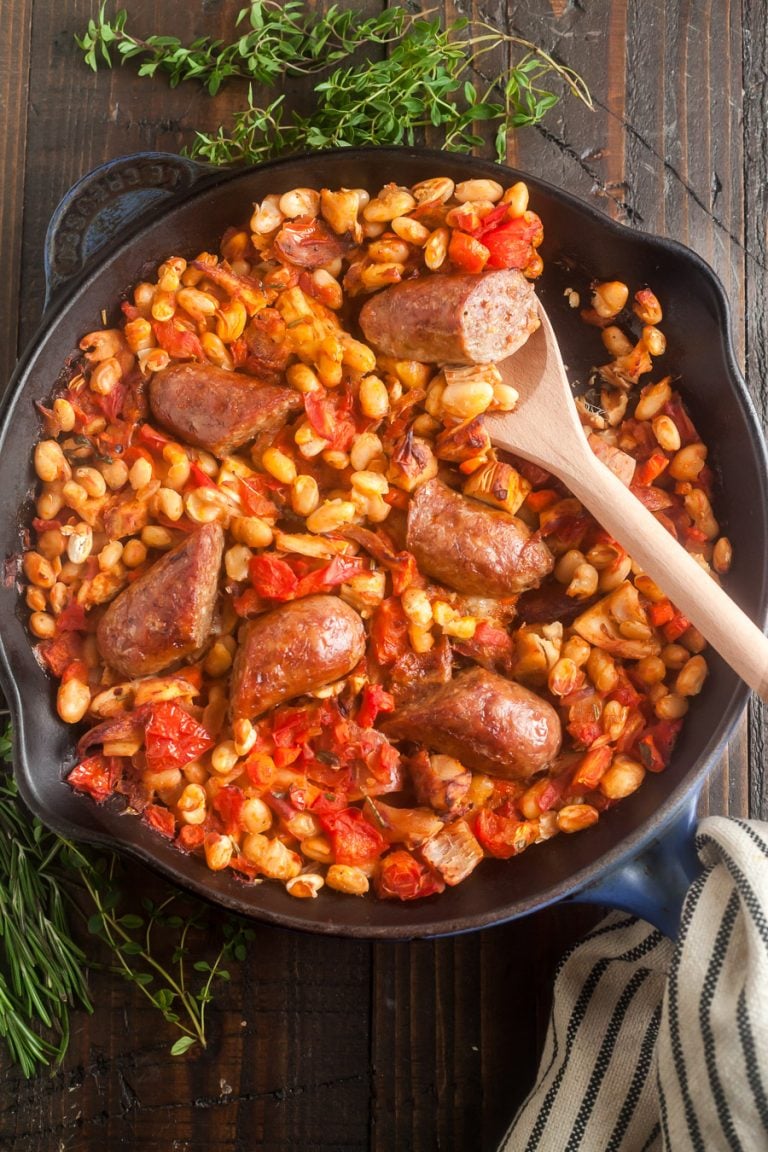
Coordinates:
x,y
336,1044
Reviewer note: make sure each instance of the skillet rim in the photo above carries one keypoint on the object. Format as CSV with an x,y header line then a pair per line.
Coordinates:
x,y
647,830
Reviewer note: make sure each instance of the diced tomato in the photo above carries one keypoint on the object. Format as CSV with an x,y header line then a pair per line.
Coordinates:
x,y
402,877
329,802
467,253
228,802
248,603
161,819
511,243
556,789
112,404
253,498
336,571
71,619
654,748
260,769
375,699
285,756
172,738
593,767
650,469
273,578
152,437
198,478
353,839
675,409
501,836
676,627
177,340
389,631
661,612
190,837
330,414
97,775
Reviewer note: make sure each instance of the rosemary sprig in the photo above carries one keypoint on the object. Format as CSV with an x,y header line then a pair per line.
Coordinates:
x,y
42,968
47,883
422,83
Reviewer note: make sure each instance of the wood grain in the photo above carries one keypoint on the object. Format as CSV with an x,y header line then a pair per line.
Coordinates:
x,y
320,1044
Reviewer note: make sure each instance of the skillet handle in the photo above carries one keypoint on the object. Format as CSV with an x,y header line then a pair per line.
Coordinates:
x,y
654,883
106,204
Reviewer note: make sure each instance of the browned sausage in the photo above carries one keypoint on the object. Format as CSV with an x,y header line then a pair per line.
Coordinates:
x,y
215,409
295,649
477,550
487,722
452,319
166,615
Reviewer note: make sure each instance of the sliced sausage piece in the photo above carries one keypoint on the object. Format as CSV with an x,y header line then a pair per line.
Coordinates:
x,y
452,319
215,409
487,722
297,648
166,615
475,549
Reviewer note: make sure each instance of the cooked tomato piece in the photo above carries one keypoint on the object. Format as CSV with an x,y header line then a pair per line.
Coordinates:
x,y
353,839
172,738
375,699
467,253
228,802
510,244
402,877
97,775
177,340
389,631
161,819
272,577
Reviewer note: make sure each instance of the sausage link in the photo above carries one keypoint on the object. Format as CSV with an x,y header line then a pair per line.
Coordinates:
x,y
487,722
297,648
476,550
452,319
216,409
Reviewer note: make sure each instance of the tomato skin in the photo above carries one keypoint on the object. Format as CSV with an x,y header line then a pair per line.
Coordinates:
x,y
496,833
179,342
272,578
161,819
172,738
467,253
375,699
354,840
330,414
511,243
402,877
654,748
97,775
228,803
389,631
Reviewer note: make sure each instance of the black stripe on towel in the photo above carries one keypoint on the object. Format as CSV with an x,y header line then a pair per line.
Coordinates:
x,y
607,1050
651,941
714,970
751,1060
746,891
638,1083
691,904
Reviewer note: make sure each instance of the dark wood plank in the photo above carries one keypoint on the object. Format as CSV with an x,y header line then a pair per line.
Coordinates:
x,y
324,1044
14,105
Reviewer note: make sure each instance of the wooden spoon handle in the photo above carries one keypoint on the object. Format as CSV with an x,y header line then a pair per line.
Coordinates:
x,y
692,590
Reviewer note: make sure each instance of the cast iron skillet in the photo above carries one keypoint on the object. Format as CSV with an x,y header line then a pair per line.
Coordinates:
x,y
126,217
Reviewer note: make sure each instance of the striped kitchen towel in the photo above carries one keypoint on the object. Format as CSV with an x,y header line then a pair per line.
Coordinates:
x,y
658,1045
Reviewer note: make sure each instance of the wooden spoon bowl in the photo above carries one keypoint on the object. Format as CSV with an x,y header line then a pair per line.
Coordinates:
x,y
545,429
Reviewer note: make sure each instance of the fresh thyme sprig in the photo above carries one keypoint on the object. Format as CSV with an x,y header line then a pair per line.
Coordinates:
x,y
422,83
283,39
180,988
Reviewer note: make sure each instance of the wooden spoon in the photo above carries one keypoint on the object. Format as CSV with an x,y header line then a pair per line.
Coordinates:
x,y
545,429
